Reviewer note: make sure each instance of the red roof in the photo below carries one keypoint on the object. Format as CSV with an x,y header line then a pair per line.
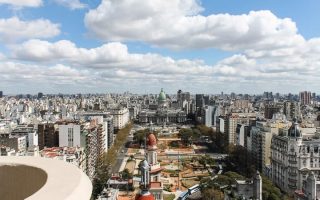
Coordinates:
x,y
152,140
155,185
145,197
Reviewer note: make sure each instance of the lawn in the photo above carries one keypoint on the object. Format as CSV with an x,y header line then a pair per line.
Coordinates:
x,y
168,196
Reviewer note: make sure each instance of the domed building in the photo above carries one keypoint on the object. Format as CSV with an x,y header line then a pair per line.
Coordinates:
x,y
162,99
293,156
294,130
162,113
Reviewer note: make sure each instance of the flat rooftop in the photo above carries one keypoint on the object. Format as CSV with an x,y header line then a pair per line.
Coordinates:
x,y
36,178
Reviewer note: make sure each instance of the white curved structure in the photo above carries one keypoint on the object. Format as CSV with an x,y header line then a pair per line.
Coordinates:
x,y
35,178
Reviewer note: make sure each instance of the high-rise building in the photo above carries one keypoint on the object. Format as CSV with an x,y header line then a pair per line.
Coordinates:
x,y
40,95
268,95
120,117
209,115
110,130
48,135
184,100
233,95
305,98
206,99
94,146
291,109
69,135
1,94
241,134
270,110
199,101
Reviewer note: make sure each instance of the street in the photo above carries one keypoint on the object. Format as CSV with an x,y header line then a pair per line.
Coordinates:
x,y
121,155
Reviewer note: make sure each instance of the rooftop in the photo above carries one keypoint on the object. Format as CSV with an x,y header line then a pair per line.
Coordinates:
x,y
41,178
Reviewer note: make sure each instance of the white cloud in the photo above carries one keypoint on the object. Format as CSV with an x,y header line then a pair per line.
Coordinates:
x,y
2,56
13,29
113,63
72,4
179,24
20,73
22,3
111,55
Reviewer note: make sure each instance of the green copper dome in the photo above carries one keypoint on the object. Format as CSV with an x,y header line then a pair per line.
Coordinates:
x,y
162,96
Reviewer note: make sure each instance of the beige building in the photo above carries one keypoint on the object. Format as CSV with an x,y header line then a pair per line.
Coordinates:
x,y
261,136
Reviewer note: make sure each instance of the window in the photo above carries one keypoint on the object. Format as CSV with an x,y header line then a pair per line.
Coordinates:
x,y
70,137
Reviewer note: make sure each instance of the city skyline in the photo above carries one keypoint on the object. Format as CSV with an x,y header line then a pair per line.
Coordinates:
x,y
90,46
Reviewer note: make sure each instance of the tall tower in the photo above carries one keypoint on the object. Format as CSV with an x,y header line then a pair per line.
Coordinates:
x,y
257,187
152,158
145,175
145,182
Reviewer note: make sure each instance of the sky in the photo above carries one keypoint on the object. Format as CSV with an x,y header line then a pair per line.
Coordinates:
x,y
141,46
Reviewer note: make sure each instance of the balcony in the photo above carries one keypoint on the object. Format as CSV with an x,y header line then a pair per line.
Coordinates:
x,y
292,186
293,161
292,174
292,180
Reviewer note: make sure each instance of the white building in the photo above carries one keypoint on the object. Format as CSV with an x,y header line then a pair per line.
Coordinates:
x,y
293,156
209,116
120,117
241,134
69,135
33,138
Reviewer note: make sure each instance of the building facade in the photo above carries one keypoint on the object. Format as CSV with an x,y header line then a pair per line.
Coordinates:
x,y
69,135
293,156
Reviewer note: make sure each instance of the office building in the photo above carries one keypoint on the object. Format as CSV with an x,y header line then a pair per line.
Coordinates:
x,y
48,135
271,109
69,135
305,97
120,117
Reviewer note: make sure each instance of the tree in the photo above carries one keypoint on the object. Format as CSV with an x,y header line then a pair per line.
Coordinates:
x,y
131,158
273,196
210,193
202,162
140,136
234,175
174,144
204,130
186,136
125,174
210,161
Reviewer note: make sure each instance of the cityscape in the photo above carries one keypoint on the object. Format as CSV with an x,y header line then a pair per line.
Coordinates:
x,y
159,100
177,146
